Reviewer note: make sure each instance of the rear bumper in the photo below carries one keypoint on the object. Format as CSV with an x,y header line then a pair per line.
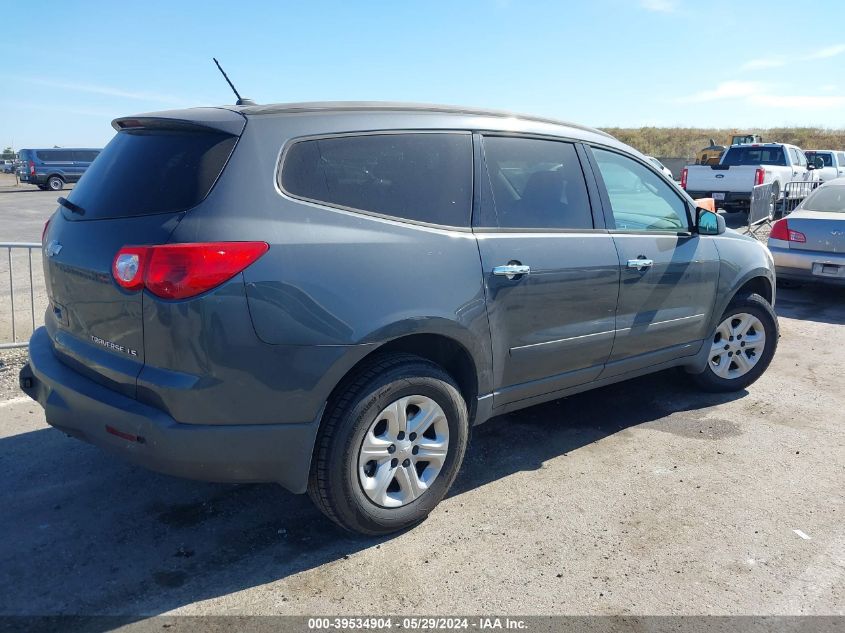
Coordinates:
x,y
149,437
807,266
37,179
735,199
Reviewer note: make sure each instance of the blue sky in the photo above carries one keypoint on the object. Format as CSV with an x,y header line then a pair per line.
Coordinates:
x,y
71,67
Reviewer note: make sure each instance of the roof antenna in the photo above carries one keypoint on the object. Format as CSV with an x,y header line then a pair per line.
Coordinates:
x,y
241,100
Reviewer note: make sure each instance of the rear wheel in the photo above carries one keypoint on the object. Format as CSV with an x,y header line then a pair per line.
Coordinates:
x,y
741,347
390,446
54,183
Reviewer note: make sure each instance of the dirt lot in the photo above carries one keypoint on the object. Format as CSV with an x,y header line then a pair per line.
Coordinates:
x,y
642,498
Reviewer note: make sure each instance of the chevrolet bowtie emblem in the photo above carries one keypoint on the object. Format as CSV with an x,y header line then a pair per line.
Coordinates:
x,y
53,248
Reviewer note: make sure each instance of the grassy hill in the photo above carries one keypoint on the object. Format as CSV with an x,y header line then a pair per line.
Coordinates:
x,y
680,142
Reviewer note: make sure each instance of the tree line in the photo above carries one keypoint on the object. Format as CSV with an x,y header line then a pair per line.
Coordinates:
x,y
678,142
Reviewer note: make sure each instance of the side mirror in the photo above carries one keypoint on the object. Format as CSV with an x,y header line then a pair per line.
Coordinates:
x,y
708,223
818,162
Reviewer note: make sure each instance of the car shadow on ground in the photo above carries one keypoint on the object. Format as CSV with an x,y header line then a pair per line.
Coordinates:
x,y
812,302
86,533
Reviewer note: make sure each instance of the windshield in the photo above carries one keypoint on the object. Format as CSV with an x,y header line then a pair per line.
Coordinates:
x,y
826,157
141,172
754,156
830,199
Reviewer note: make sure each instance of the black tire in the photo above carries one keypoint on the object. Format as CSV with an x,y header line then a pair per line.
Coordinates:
x,y
55,183
757,306
334,484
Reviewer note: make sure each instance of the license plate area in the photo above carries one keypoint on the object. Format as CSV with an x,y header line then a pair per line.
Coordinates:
x,y
822,269
718,195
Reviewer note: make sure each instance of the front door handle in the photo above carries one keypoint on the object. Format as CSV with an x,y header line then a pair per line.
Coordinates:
x,y
511,270
640,264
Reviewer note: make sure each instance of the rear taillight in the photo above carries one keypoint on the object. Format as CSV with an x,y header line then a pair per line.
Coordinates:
x,y
128,267
781,231
180,271
759,175
684,173
31,168
44,231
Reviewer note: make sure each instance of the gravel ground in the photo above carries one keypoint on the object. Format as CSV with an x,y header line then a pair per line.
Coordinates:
x,y
11,362
642,498
647,497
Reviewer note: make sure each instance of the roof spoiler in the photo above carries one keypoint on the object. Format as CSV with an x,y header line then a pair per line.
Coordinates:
x,y
194,119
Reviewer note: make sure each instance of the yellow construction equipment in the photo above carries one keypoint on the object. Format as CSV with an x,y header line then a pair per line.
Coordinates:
x,y
712,154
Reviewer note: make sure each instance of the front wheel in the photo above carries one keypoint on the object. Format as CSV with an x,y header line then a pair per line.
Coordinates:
x,y
741,347
390,446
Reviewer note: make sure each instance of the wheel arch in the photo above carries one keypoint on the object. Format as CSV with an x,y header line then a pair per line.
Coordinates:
x,y
759,280
443,350
759,284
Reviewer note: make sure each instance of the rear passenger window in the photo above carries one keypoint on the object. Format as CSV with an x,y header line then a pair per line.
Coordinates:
x,y
84,156
55,156
537,184
420,177
640,199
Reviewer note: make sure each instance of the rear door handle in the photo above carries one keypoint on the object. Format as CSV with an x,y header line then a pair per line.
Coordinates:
x,y
511,270
639,264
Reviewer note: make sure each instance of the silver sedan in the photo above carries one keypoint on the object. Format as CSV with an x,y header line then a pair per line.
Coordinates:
x,y
809,244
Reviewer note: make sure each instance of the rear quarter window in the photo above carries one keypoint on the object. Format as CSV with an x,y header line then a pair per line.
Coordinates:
x,y
414,176
55,156
84,156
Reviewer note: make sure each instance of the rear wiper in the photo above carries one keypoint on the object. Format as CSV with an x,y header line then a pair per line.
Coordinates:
x,y
67,204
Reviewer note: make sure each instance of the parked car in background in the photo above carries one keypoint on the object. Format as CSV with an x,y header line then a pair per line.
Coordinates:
x,y
54,168
8,166
318,295
829,164
666,171
809,243
731,182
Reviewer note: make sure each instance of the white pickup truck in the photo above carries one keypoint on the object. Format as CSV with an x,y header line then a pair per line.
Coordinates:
x,y
731,182
829,164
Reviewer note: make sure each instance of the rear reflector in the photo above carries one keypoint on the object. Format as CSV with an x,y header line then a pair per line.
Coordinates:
x,y
125,436
181,271
759,176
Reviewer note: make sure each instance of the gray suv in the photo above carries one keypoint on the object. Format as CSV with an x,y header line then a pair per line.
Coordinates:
x,y
330,295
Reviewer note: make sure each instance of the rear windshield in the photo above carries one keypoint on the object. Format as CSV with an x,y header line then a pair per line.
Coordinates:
x,y
825,156
142,172
826,199
754,156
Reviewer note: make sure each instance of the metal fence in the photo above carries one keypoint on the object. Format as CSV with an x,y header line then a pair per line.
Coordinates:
x,y
794,193
26,292
762,209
